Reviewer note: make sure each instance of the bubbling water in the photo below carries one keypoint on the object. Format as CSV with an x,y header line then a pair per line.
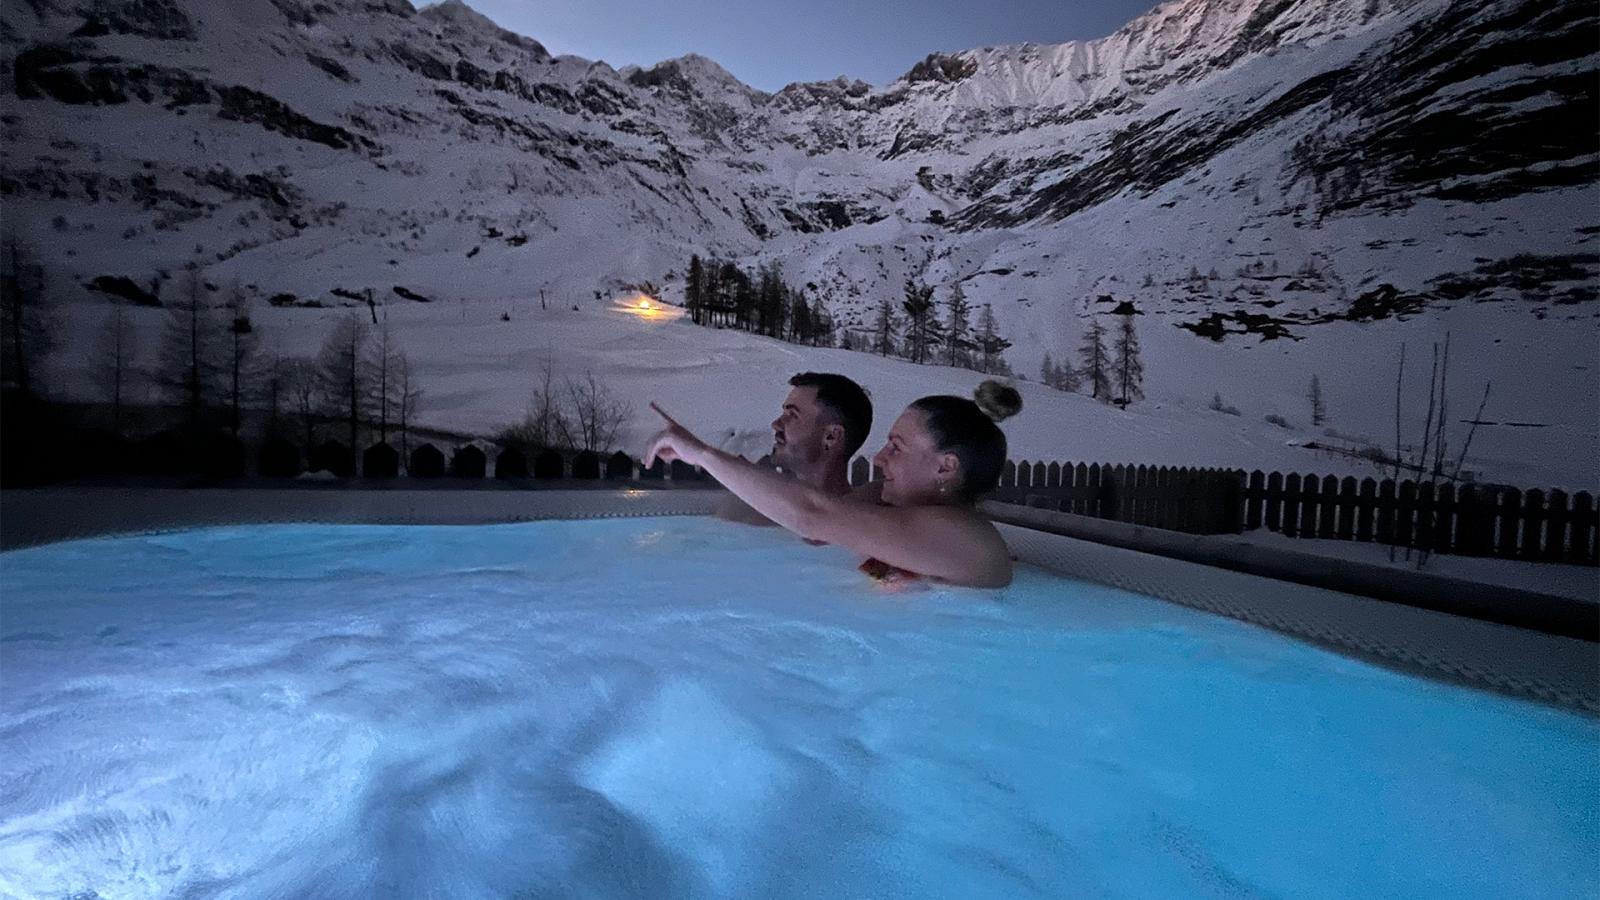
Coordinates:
x,y
683,707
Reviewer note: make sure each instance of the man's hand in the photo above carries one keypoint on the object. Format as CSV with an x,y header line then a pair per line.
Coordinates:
x,y
674,442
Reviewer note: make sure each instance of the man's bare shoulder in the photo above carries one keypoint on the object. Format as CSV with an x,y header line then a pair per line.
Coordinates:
x,y
733,509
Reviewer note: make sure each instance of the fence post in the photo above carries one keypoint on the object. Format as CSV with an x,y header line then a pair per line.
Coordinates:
x,y
1024,475
1274,502
1096,505
1364,511
1186,499
861,472
1309,498
1160,481
1444,517
1291,505
1328,508
1510,524
1163,502
1232,486
1469,521
1176,508
1139,496
1555,527
1255,494
1585,525
1053,475
1399,532
1347,509
1118,502
1532,524
1191,500
1422,532
1080,484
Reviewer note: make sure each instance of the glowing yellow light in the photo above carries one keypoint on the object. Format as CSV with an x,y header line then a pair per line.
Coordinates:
x,y
646,307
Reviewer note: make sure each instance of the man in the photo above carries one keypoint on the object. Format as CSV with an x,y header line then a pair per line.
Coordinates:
x,y
825,420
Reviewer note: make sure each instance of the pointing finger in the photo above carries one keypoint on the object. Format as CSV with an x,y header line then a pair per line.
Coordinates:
x,y
663,414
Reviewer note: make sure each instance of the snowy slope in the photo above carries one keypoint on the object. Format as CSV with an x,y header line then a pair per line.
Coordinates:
x,y
479,373
1307,154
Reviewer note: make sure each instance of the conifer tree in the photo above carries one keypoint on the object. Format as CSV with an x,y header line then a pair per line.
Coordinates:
x,y
801,328
242,342
115,355
694,290
1094,363
189,364
1126,367
342,367
383,388
711,299
918,306
410,398
1319,412
27,333
990,343
956,327
885,329
1066,378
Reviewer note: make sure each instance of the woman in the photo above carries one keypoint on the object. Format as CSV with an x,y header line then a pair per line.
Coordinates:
x,y
942,454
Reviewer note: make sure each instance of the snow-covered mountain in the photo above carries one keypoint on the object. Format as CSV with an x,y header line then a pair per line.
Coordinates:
x,y
1333,175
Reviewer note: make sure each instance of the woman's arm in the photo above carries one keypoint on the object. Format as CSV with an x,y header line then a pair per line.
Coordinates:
x,y
955,545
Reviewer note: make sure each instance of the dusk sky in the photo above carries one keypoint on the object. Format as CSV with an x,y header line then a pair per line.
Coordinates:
x,y
770,43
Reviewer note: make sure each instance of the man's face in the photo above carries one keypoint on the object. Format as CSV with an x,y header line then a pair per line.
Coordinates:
x,y
800,433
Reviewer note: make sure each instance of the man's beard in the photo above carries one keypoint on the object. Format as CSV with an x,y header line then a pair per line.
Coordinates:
x,y
786,456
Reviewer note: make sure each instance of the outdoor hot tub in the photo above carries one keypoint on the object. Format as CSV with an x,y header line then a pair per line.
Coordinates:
x,y
675,706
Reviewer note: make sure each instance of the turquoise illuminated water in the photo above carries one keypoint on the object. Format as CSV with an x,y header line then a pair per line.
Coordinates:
x,y
683,707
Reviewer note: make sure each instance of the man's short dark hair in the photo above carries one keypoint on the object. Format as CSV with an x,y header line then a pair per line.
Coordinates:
x,y
845,401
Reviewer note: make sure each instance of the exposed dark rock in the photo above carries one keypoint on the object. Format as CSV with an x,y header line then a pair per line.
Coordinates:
x,y
1525,277
1426,131
246,105
301,12
124,288
1147,155
330,66
275,193
1217,326
159,19
70,74
1382,302
473,76
816,216
420,61
941,68
408,294
909,140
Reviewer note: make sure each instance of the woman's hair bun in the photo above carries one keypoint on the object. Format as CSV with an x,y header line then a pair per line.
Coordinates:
x,y
999,401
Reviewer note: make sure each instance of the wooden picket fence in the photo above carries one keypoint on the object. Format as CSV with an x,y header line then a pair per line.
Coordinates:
x,y
1465,520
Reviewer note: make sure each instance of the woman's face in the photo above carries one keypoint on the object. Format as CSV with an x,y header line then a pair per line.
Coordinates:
x,y
913,468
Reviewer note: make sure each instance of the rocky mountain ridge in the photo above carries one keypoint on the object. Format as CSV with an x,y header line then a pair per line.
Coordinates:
x,y
1340,133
